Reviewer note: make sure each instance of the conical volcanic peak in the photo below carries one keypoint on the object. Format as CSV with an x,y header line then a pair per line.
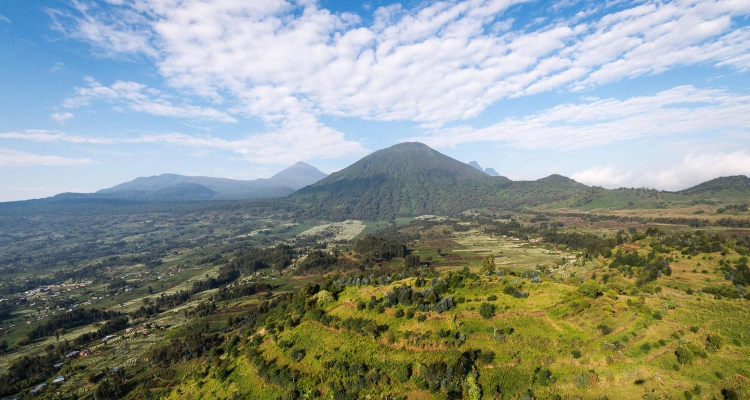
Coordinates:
x,y
297,176
405,179
412,162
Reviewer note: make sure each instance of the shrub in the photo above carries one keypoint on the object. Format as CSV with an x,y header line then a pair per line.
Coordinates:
x,y
543,376
492,298
576,353
604,328
694,329
298,354
421,318
590,289
402,372
399,313
487,357
697,349
324,297
730,394
657,315
684,355
715,340
646,347
487,310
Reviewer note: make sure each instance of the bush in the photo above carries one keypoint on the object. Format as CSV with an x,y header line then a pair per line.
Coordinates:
x,y
402,372
697,349
492,298
657,315
715,340
646,347
730,394
576,353
604,328
543,376
421,318
590,289
298,354
399,313
487,310
684,355
487,357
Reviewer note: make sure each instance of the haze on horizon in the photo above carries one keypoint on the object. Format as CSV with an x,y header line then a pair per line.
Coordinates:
x,y
633,94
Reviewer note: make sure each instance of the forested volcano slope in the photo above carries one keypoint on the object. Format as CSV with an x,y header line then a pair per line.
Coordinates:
x,y
412,179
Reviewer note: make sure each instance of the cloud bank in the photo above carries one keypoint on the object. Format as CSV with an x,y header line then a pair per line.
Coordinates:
x,y
438,62
694,168
15,158
678,111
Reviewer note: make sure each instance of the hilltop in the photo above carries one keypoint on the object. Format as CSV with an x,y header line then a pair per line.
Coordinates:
x,y
412,179
405,179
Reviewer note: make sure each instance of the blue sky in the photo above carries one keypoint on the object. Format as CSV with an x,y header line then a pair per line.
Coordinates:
x,y
616,93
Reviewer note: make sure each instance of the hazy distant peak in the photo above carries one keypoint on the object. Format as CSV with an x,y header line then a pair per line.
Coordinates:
x,y
491,172
297,176
488,171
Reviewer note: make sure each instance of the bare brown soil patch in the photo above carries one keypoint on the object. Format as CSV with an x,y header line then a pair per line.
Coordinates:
x,y
442,243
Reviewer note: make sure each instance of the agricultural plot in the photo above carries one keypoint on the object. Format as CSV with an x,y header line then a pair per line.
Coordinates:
x,y
436,307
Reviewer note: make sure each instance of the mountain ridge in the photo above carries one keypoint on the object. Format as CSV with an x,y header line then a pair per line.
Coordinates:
x,y
287,181
411,179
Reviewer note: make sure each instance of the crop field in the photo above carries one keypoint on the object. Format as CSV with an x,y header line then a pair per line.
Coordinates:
x,y
470,306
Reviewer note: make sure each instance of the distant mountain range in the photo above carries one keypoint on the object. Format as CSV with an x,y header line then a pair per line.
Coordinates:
x,y
407,179
488,171
285,182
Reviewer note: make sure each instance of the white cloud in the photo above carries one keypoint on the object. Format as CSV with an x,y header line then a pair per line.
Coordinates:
x,y
605,176
3,18
123,33
56,67
291,141
139,98
61,117
15,158
435,63
677,111
695,167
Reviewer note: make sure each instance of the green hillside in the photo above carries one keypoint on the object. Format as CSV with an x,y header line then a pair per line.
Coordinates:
x,y
411,179
725,183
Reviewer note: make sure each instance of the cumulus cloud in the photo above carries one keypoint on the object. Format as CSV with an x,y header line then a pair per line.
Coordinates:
x,y
677,111
290,142
15,158
123,33
605,176
61,117
437,62
695,167
140,98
